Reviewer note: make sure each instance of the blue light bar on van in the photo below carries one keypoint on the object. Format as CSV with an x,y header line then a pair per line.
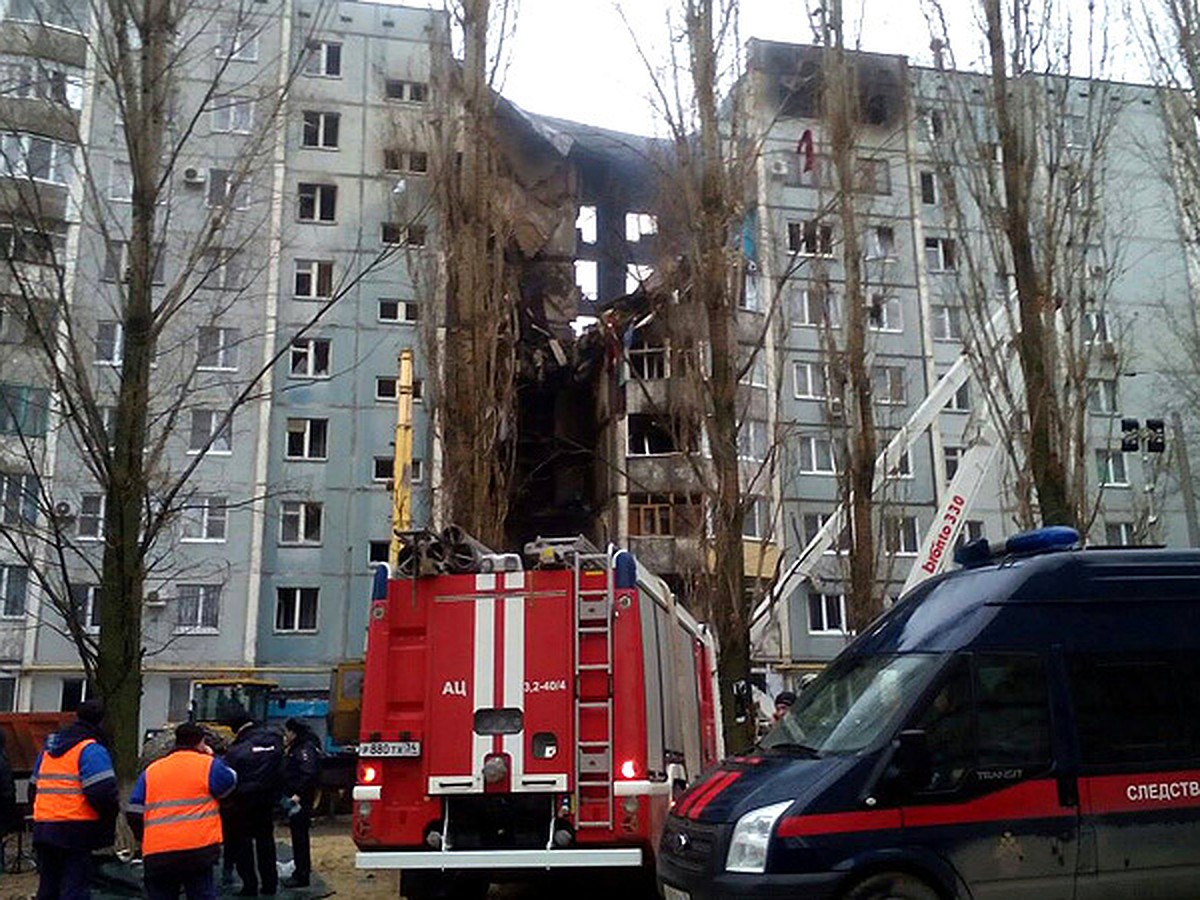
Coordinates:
x,y
1027,543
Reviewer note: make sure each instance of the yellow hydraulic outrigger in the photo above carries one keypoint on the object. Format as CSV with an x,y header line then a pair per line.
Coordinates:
x,y
402,462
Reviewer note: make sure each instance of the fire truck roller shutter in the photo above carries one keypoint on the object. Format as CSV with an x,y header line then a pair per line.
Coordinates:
x,y
672,716
654,687
685,698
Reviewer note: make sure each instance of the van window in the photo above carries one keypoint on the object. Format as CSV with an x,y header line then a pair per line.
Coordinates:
x,y
1128,708
992,714
852,703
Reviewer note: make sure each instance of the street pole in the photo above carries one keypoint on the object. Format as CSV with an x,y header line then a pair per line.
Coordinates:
x,y
1185,481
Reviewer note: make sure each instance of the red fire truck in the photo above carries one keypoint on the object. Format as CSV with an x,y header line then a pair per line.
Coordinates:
x,y
525,718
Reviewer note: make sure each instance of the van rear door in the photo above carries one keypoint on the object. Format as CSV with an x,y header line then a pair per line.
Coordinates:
x,y
989,800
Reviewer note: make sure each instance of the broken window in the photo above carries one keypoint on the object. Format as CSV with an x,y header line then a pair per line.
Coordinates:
x,y
639,225
314,279
587,278
881,242
585,224
636,275
811,238
318,202
648,360
648,437
884,313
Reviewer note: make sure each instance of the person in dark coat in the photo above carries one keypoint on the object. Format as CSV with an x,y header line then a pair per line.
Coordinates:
x,y
301,775
256,755
75,804
10,820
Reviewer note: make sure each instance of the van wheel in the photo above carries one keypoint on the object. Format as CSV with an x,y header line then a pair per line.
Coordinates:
x,y
891,886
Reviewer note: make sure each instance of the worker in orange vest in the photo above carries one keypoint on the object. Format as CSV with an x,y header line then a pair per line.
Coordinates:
x,y
75,804
173,811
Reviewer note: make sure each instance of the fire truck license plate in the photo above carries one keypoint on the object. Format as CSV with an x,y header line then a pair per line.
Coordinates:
x,y
671,893
390,748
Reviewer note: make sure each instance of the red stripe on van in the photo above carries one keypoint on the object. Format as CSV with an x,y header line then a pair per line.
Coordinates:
x,y
711,793
1027,800
1101,794
693,795
839,823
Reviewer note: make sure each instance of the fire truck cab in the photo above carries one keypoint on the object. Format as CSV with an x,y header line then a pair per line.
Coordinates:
x,y
525,719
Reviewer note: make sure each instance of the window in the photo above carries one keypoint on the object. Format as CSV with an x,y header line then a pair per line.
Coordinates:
x,y
232,115
314,279
320,130
1007,725
116,263
816,455
933,124
751,296
755,373
809,381
953,456
939,255
300,522
179,699
1129,707
307,438
222,269
43,246
23,410
929,191
826,614
961,401
217,347
637,275
120,181
207,426
224,189
1076,131
36,158
891,385
885,313
382,468
1102,395
881,242
387,387
810,238
8,693
310,358
902,535
205,517
756,519
70,14
587,278
972,531
198,607
391,310
393,233
377,552
814,522
648,362
324,58
752,440
410,162
409,91
678,515
1110,468
14,588
585,224
85,606
110,342
814,307
74,692
18,498
90,523
238,40
639,225
874,176
947,323
648,437
1095,328
317,202
902,468
1119,534
296,609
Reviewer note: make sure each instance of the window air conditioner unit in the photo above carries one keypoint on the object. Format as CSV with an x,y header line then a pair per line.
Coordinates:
x,y
63,510
193,175
779,168
836,408
154,600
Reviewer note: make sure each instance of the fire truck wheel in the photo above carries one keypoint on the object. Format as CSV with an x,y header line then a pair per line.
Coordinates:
x,y
891,886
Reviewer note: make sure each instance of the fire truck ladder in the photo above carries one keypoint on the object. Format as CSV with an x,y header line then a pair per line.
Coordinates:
x,y
593,694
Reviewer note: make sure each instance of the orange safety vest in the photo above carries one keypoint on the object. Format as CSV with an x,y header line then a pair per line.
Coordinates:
x,y
181,812
59,796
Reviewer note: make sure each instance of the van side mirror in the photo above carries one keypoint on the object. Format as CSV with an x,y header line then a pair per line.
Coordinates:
x,y
911,758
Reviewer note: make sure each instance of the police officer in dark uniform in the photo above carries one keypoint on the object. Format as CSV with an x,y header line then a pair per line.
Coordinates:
x,y
301,774
256,755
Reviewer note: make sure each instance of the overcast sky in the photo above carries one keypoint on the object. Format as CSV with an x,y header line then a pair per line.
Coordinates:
x,y
575,58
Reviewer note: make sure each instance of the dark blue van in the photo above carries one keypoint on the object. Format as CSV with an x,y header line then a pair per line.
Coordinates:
x,y
1028,727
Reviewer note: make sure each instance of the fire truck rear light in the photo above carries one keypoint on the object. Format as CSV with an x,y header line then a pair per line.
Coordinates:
x,y
629,769
369,774
563,838
631,805
364,810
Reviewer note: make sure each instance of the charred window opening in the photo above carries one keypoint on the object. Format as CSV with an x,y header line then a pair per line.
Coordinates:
x,y
649,436
648,358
